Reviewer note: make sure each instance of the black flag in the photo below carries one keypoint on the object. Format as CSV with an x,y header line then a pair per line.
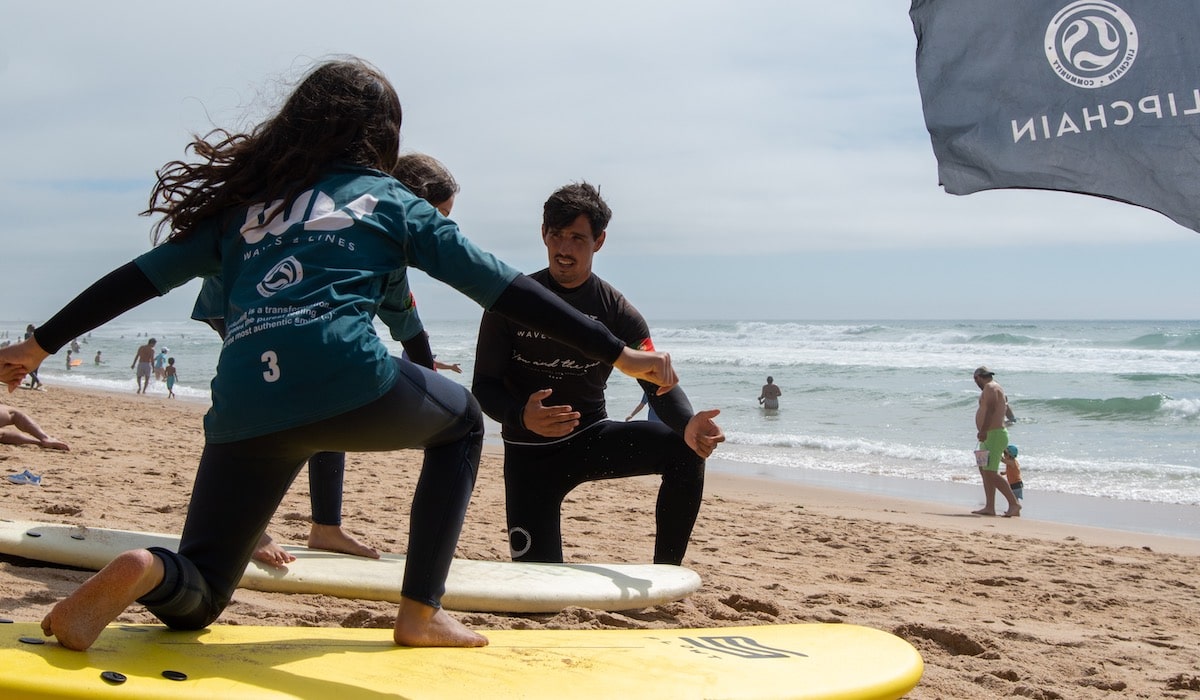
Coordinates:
x,y
1087,96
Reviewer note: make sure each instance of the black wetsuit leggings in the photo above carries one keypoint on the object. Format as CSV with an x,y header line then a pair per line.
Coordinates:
x,y
538,477
239,485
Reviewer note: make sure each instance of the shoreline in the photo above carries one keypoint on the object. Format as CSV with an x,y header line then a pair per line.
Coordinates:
x,y
1169,520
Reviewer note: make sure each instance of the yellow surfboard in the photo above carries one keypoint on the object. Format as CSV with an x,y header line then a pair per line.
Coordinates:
x,y
224,661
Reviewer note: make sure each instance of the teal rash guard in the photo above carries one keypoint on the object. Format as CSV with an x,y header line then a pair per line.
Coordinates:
x,y
300,290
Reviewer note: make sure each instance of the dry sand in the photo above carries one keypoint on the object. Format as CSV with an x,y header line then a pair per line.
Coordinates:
x,y
997,607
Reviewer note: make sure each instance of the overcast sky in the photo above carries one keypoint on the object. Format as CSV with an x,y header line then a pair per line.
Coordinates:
x,y
764,160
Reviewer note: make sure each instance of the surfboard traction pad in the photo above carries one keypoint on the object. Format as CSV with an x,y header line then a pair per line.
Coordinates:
x,y
815,661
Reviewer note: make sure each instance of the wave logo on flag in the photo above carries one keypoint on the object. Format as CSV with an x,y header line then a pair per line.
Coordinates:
x,y
1090,44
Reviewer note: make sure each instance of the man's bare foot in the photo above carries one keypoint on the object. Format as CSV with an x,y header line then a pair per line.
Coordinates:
x,y
419,625
78,619
50,443
983,511
271,554
1014,512
332,538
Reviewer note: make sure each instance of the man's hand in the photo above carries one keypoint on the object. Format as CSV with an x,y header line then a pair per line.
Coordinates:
x,y
702,434
654,367
548,421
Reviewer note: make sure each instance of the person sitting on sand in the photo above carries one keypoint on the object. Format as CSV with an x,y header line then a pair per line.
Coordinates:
x,y
305,226
30,432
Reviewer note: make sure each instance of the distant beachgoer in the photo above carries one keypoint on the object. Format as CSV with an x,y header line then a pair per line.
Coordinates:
x,y
170,373
69,360
650,415
1009,419
769,397
453,367
34,382
160,364
143,360
1012,472
993,437
30,432
98,360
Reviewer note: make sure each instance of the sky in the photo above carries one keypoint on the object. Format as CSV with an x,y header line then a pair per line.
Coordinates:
x,y
763,159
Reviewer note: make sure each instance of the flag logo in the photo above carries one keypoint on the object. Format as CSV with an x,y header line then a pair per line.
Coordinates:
x,y
1091,43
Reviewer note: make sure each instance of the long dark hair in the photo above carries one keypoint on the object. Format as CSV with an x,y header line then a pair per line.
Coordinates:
x,y
426,177
343,111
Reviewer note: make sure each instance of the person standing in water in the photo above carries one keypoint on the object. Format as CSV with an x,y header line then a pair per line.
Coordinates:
x,y
769,397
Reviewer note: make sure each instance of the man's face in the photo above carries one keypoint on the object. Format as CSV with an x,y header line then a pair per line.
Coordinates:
x,y
570,251
981,380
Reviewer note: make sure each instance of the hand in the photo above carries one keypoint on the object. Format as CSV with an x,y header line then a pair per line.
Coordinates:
x,y
548,421
654,367
981,436
18,360
702,434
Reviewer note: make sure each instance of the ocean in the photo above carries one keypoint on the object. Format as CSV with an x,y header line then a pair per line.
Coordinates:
x,y
1105,409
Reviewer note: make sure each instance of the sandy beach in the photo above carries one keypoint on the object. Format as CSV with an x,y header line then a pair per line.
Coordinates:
x,y
997,607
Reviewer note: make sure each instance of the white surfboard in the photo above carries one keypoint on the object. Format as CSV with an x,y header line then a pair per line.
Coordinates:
x,y
480,586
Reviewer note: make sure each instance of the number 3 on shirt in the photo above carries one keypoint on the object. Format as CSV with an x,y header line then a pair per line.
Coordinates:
x,y
272,360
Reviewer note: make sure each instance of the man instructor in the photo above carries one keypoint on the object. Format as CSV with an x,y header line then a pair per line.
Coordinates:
x,y
549,400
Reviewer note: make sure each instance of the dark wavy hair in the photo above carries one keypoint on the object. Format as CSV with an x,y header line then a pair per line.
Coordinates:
x,y
426,177
343,111
568,202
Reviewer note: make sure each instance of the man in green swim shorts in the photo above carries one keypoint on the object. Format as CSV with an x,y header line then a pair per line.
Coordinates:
x,y
991,433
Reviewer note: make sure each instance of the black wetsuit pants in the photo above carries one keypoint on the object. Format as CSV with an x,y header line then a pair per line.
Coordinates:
x,y
239,485
538,477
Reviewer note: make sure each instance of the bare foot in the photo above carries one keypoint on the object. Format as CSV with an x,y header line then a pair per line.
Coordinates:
x,y
51,444
332,538
78,619
271,554
419,625
984,511
1014,512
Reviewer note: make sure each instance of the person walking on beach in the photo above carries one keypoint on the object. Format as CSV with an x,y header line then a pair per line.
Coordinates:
x,y
143,360
171,374
768,398
160,364
27,431
549,400
993,437
643,403
34,382
304,224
